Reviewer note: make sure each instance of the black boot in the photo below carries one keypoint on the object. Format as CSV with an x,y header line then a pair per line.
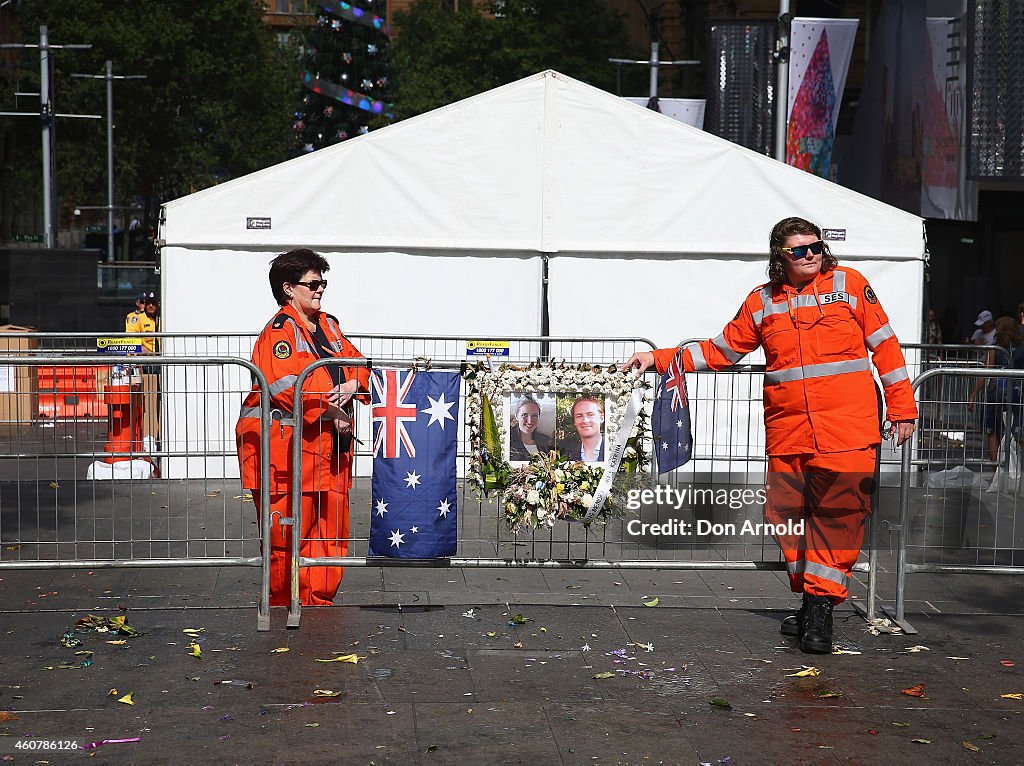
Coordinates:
x,y
817,637
794,624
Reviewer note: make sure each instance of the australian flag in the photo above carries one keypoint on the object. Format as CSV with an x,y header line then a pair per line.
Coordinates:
x,y
670,421
415,426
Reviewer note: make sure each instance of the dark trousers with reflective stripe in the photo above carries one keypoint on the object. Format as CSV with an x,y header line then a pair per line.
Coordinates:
x,y
324,533
821,502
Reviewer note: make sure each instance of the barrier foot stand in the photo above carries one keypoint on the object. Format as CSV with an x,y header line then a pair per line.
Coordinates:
x,y
262,622
903,625
294,617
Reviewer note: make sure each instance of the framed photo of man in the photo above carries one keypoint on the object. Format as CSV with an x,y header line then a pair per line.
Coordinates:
x,y
582,432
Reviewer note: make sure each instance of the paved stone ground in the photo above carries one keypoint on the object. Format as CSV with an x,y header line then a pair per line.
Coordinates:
x,y
435,686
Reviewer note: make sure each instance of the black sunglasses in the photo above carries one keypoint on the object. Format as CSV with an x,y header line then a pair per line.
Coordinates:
x,y
800,251
314,284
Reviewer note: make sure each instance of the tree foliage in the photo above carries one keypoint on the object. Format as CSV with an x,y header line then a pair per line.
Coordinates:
x,y
444,54
216,102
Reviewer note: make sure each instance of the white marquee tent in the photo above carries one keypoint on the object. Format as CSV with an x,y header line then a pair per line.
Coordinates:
x,y
446,222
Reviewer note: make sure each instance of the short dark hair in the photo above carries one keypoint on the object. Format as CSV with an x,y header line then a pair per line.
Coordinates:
x,y
289,267
782,231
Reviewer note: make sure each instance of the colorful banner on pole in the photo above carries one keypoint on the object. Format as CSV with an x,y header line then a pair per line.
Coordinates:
x,y
818,64
415,426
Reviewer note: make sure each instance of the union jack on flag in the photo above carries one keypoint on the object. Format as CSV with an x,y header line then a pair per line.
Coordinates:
x,y
675,383
391,412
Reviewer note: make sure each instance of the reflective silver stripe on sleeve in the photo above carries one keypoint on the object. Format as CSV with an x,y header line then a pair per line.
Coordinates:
x,y
900,373
282,384
726,349
697,355
817,371
839,281
766,300
795,567
300,339
874,340
249,412
827,573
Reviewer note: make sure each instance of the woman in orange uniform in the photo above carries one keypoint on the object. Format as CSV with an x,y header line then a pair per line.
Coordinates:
x,y
817,321
299,334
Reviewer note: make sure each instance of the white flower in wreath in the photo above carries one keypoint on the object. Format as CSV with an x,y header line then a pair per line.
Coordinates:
x,y
587,499
541,513
533,497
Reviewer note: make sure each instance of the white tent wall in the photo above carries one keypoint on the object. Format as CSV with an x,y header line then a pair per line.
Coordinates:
x,y
227,291
437,224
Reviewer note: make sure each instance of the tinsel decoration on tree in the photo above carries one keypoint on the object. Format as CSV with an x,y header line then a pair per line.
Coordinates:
x,y
346,78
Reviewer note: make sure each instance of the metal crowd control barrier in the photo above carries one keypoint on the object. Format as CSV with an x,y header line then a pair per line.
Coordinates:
x,y
485,542
54,517
959,516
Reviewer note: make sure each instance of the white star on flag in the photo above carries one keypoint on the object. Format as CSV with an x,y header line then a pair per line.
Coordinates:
x,y
412,479
396,538
414,530
679,424
444,508
439,410
382,507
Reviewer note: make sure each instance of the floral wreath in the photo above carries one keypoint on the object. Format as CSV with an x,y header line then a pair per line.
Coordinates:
x,y
550,487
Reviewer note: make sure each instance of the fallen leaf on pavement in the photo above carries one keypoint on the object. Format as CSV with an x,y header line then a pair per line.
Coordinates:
x,y
195,650
901,724
807,670
922,741
721,702
917,648
604,675
127,699
1014,696
350,658
968,746
914,691
325,693
279,650
653,602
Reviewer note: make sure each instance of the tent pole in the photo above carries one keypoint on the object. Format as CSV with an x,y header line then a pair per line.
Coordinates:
x,y
545,318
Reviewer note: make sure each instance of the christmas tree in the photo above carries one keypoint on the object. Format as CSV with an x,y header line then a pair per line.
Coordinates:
x,y
345,78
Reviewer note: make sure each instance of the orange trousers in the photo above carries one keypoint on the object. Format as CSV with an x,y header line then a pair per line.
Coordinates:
x,y
324,533
831,494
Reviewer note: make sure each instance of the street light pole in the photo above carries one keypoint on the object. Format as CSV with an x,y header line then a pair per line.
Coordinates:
x,y
47,115
655,63
782,81
109,77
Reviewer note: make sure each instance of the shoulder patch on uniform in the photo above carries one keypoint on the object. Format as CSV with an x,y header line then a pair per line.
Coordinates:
x,y
869,294
331,316
133,319
279,321
282,349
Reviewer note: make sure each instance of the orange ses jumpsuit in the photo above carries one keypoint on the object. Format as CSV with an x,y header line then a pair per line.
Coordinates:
x,y
820,412
282,351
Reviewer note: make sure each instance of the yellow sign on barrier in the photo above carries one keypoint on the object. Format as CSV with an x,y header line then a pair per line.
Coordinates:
x,y
119,346
487,348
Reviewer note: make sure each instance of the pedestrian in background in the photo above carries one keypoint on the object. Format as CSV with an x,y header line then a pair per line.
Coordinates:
x,y
817,322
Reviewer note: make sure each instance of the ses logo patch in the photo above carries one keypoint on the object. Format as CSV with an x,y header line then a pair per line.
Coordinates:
x,y
282,349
